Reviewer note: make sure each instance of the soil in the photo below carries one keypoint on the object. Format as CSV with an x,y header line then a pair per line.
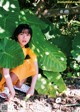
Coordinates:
x,y
67,102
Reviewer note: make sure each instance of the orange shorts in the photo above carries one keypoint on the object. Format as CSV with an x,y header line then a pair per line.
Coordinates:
x,y
25,70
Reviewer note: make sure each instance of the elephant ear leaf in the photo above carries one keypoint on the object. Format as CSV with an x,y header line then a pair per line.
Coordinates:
x,y
50,57
9,11
11,54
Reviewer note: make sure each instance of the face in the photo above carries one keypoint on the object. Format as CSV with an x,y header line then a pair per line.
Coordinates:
x,y
24,37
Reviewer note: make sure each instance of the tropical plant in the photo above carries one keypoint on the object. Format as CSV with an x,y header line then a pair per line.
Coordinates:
x,y
9,53
52,60
9,57
50,57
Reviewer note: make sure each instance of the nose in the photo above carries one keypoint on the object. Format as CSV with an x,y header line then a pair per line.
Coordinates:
x,y
24,36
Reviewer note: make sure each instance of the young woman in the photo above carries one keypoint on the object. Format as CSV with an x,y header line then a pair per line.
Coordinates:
x,y
18,75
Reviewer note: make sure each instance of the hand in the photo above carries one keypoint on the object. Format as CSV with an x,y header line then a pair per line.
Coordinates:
x,y
11,96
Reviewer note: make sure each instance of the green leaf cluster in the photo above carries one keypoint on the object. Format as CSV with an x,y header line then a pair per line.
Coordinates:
x,y
76,53
9,49
51,59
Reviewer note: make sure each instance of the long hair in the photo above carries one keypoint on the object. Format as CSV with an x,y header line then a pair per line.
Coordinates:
x,y
19,29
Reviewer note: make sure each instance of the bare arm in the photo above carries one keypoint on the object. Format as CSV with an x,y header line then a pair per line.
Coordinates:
x,y
8,81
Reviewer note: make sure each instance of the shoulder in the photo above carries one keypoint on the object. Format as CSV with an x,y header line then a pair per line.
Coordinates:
x,y
30,50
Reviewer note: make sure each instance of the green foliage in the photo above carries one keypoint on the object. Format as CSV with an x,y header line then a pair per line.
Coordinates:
x,y
56,78
75,23
55,37
27,16
8,17
10,6
11,54
75,64
50,57
51,85
59,40
9,57
44,86
76,47
62,34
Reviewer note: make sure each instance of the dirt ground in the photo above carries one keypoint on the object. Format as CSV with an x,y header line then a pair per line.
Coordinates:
x,y
68,102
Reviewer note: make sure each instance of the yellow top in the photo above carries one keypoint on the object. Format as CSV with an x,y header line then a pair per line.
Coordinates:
x,y
24,70
27,68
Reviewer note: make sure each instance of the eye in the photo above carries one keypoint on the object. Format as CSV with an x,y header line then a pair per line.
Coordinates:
x,y
27,34
21,33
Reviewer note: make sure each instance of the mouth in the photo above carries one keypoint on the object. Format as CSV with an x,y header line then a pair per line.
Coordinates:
x,y
24,41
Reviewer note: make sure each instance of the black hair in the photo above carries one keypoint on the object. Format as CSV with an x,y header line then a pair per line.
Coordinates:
x,y
19,29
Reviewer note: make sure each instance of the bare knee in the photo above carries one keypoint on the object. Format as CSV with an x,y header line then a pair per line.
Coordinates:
x,y
14,78
19,83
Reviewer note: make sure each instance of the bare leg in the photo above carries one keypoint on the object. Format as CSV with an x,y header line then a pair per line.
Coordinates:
x,y
16,81
19,84
14,78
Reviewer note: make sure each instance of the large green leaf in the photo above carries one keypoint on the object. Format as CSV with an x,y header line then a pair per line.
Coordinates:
x,y
11,54
51,84
9,11
26,16
9,5
57,80
59,40
53,34
43,86
50,57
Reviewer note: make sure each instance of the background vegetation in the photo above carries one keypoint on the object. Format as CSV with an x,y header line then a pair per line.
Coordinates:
x,y
56,40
